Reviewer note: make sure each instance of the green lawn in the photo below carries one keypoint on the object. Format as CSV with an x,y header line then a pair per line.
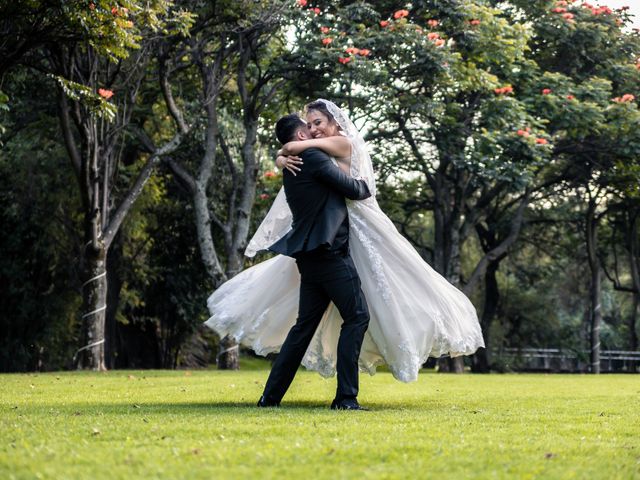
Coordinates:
x,y
203,424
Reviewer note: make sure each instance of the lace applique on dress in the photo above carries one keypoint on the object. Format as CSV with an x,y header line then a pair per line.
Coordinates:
x,y
368,239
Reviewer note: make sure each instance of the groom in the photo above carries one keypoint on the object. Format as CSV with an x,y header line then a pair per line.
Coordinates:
x,y
319,241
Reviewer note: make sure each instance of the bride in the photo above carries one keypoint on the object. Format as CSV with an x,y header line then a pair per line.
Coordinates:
x,y
415,313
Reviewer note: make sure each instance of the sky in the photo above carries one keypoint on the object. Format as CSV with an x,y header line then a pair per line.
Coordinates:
x,y
634,7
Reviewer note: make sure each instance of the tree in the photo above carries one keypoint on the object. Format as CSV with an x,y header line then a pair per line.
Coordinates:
x,y
588,59
88,70
232,62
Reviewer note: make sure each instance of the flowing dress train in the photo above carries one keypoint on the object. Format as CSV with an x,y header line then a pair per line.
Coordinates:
x,y
415,312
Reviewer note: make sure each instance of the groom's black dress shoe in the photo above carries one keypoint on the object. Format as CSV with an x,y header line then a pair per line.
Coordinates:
x,y
347,404
263,402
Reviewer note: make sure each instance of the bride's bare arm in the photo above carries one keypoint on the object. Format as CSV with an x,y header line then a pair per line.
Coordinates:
x,y
338,146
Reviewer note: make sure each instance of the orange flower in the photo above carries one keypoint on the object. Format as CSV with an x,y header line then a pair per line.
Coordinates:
x,y
546,91
627,97
352,50
364,52
327,41
570,97
503,90
384,23
433,35
474,22
432,23
324,29
264,196
602,10
114,11
439,42
344,60
269,174
523,133
401,14
559,10
568,16
316,10
541,141
104,93
302,3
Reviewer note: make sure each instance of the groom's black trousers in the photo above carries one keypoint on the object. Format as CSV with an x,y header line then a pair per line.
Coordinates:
x,y
330,277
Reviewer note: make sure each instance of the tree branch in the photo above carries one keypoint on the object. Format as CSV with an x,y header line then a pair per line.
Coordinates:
x,y
136,189
501,249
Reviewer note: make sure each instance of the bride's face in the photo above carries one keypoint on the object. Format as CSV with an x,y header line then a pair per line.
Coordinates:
x,y
320,126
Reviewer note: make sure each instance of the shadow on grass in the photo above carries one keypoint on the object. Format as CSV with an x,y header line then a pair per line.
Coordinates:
x,y
229,407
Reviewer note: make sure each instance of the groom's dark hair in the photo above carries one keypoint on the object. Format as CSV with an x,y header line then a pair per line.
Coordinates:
x,y
287,127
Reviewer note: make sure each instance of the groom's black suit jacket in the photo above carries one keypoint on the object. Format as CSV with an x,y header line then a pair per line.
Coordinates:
x,y
316,198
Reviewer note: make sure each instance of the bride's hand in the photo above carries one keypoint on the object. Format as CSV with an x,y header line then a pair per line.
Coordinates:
x,y
290,162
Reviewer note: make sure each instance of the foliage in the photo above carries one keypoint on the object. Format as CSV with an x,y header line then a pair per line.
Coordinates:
x,y
40,243
164,286
465,105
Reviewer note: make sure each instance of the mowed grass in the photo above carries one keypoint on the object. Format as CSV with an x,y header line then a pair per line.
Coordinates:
x,y
203,424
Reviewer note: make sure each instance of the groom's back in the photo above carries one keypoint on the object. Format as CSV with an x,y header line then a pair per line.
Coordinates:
x,y
319,211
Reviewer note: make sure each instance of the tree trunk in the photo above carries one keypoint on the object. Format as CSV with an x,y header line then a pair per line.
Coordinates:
x,y
94,296
481,359
633,334
228,357
205,239
114,287
635,277
447,258
633,320
595,287
447,243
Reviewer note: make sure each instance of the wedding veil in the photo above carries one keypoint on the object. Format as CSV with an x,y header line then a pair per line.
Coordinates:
x,y
278,220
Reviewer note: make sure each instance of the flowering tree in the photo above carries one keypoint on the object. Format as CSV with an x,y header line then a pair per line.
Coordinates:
x,y
482,107
439,83
587,95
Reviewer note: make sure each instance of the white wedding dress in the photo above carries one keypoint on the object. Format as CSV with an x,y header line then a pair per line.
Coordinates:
x,y
415,313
